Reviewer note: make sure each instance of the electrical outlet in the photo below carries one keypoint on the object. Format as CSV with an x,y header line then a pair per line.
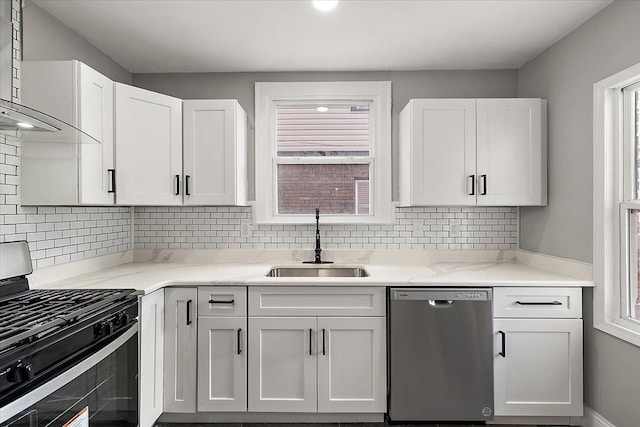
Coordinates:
x,y
418,229
454,228
245,229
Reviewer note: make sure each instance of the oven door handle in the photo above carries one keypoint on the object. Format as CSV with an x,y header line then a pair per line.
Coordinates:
x,y
65,377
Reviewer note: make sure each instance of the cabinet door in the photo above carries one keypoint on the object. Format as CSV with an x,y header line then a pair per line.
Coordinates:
x,y
148,134
214,144
222,364
180,350
511,144
151,357
540,373
95,117
352,364
282,364
438,141
50,174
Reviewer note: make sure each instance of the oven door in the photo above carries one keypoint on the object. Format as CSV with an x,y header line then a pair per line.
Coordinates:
x,y
101,390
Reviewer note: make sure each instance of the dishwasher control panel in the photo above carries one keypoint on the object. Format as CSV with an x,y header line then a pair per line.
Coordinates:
x,y
450,294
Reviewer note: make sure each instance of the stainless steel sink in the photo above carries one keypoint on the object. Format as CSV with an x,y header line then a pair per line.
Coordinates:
x,y
317,271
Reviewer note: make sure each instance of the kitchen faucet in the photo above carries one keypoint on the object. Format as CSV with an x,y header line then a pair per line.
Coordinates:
x,y
318,250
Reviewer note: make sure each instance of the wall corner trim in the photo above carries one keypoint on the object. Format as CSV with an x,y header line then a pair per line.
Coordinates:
x,y
593,419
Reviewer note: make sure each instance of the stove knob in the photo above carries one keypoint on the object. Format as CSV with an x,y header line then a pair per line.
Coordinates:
x,y
21,373
123,320
108,328
98,329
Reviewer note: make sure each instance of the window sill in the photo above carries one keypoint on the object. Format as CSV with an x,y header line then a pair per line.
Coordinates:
x,y
619,331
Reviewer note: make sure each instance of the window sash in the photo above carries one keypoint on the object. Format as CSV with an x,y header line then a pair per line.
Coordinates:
x,y
626,290
375,94
329,102
626,287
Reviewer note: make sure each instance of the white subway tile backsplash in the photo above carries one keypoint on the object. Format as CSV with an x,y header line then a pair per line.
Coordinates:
x,y
219,227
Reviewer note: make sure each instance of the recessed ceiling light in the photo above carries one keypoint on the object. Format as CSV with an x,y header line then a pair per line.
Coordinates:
x,y
25,125
325,5
322,109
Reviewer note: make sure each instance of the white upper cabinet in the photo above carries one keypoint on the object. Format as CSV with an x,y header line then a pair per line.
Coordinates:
x,y
215,152
511,152
66,173
148,133
489,152
438,152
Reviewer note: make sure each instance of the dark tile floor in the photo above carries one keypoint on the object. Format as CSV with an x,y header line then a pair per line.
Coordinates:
x,y
335,425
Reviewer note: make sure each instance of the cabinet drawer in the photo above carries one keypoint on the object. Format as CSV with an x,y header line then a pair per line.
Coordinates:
x,y
316,301
537,302
222,301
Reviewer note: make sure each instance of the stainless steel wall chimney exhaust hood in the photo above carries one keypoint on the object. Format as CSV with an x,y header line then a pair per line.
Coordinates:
x,y
21,123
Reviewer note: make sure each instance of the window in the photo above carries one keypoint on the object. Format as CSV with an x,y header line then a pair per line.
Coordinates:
x,y
323,145
617,204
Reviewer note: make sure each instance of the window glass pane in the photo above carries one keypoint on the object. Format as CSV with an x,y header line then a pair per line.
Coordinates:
x,y
633,295
322,130
636,134
331,187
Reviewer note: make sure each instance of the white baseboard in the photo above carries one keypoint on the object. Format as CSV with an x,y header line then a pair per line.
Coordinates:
x,y
593,419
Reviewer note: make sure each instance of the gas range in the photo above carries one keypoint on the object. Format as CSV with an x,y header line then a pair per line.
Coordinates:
x,y
46,332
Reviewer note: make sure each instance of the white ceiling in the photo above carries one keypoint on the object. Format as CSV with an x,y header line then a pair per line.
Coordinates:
x,y
147,36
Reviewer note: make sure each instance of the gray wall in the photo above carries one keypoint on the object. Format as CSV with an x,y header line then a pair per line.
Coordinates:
x,y
565,74
405,86
46,38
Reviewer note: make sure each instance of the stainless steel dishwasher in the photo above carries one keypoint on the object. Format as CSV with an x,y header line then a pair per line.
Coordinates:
x,y
440,354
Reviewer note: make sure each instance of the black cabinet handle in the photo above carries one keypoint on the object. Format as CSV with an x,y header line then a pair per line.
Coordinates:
x,y
539,303
112,175
186,185
503,353
473,185
221,301
310,343
239,340
324,353
484,184
189,312
177,185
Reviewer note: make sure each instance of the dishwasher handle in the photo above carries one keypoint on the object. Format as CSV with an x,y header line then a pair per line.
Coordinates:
x,y
441,303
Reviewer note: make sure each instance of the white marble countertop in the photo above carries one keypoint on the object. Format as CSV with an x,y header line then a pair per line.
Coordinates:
x,y
152,270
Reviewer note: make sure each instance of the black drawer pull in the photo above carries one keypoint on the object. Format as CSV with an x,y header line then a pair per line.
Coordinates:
x,y
538,303
189,312
221,301
484,185
310,342
473,185
324,353
177,185
503,353
112,174
239,340
186,185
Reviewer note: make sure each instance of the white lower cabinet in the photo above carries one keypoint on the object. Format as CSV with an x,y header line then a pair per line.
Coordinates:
x,y
222,364
180,350
538,352
282,364
326,363
151,357
351,364
540,373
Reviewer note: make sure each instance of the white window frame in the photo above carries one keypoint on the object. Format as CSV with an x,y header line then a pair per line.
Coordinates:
x,y
612,162
376,94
